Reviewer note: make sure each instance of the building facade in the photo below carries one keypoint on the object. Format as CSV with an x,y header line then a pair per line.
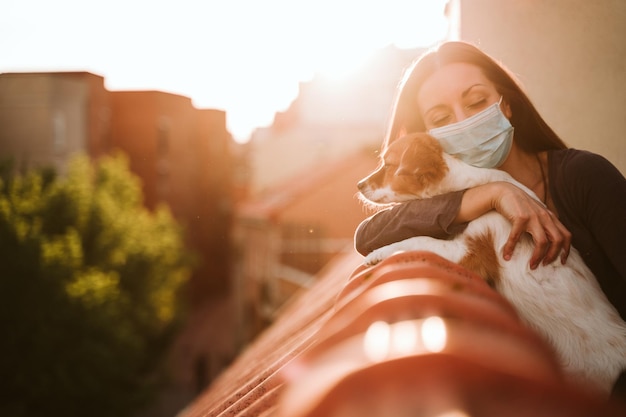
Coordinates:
x,y
45,118
181,154
184,159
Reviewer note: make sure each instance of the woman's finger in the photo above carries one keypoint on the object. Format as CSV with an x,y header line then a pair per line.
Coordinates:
x,y
559,238
542,245
567,242
550,237
555,238
517,228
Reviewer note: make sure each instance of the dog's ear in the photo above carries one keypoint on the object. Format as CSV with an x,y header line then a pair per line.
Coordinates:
x,y
425,155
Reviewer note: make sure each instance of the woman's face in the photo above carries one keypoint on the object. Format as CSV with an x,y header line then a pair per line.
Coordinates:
x,y
455,92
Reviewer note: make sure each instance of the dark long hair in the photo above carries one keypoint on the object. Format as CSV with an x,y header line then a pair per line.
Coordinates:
x,y
532,133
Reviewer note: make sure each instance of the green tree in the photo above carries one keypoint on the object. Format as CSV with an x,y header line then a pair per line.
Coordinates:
x,y
89,284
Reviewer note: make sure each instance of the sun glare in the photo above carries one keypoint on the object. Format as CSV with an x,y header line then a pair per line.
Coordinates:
x,y
343,35
243,56
333,39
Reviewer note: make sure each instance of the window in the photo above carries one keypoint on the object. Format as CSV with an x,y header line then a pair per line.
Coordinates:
x,y
59,131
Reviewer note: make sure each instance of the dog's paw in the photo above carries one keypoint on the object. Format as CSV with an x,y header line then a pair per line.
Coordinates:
x,y
377,256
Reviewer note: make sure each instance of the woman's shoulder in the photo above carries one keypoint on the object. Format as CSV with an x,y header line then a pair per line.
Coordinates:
x,y
579,176
575,163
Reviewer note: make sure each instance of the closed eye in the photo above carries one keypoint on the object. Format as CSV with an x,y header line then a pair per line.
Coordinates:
x,y
476,104
440,121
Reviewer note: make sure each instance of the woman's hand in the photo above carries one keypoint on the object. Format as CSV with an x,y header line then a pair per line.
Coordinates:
x,y
526,215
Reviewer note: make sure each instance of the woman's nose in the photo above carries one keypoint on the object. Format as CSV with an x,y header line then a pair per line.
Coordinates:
x,y
459,114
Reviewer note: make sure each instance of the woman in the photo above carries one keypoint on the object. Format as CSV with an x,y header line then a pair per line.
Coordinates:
x,y
448,92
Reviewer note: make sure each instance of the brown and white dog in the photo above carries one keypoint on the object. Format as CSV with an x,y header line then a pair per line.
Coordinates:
x,y
564,303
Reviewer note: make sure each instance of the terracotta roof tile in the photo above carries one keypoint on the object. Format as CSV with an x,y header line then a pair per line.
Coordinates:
x,y
323,357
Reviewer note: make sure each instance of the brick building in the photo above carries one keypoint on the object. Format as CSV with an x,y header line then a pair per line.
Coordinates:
x,y
181,154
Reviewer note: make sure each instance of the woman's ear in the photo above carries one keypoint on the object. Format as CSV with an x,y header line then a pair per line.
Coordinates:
x,y
506,109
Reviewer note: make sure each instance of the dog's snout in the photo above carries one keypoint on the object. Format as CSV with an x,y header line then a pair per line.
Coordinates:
x,y
362,184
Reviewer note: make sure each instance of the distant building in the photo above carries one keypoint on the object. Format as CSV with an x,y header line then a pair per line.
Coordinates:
x,y
45,118
328,120
184,158
284,238
181,154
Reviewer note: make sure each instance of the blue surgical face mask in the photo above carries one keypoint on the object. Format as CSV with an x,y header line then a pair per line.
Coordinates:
x,y
483,140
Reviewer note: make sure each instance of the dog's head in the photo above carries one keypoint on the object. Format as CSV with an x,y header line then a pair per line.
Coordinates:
x,y
411,167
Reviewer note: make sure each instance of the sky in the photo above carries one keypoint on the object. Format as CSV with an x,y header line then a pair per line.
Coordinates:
x,y
246,57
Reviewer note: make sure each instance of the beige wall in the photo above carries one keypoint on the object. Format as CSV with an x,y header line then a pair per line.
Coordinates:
x,y
571,57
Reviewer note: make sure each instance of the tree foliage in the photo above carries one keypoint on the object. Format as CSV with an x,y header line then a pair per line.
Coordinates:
x,y
88,290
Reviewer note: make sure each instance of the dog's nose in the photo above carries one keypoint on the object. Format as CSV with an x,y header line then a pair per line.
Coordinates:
x,y
361,184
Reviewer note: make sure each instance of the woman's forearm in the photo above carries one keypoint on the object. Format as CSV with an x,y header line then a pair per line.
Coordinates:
x,y
476,202
444,216
431,217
